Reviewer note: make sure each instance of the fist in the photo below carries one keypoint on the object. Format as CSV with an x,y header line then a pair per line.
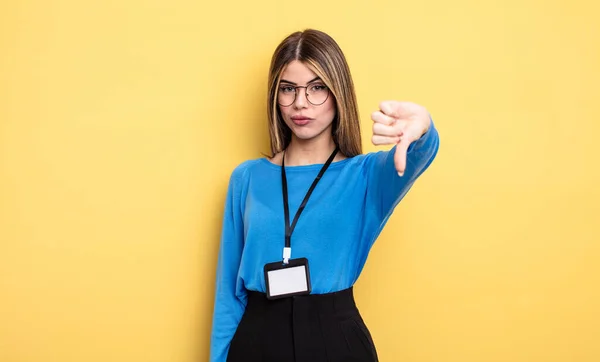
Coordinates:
x,y
400,124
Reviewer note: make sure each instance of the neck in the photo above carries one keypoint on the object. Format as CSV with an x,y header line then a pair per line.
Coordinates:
x,y
308,152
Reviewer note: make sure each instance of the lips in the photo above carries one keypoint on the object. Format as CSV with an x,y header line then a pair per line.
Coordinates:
x,y
301,120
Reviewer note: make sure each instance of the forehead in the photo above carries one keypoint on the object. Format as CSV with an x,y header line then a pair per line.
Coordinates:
x,y
298,72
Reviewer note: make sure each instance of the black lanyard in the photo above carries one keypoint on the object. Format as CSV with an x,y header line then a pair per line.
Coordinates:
x,y
289,229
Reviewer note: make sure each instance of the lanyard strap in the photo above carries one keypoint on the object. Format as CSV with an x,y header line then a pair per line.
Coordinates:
x,y
289,229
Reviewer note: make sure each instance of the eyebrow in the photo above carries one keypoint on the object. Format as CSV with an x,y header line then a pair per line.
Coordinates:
x,y
310,81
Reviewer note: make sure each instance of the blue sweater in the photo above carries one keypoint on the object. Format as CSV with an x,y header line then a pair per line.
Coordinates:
x,y
340,223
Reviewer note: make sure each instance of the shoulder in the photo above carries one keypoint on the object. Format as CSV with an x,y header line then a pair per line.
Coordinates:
x,y
241,171
240,176
365,159
365,164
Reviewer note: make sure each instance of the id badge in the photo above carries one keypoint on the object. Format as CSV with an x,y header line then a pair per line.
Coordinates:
x,y
286,280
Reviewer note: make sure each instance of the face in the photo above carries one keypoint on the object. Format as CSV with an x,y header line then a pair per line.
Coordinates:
x,y
307,121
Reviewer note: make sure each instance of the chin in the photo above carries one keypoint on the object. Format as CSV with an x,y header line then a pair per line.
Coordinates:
x,y
304,133
308,132
307,136
304,137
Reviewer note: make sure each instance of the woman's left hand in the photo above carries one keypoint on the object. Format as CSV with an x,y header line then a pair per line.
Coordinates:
x,y
399,123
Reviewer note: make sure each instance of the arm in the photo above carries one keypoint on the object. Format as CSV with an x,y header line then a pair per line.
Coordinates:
x,y
391,174
385,186
230,295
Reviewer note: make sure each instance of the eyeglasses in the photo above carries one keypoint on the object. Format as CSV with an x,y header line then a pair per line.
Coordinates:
x,y
316,94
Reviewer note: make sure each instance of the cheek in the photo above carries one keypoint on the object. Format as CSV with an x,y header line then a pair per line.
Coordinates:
x,y
329,110
284,112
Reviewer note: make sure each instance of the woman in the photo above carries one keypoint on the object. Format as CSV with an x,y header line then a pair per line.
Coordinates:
x,y
272,305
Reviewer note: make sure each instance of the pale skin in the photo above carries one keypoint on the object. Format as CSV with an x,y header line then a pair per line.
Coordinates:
x,y
395,123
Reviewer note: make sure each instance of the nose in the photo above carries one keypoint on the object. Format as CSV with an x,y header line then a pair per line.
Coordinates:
x,y
300,101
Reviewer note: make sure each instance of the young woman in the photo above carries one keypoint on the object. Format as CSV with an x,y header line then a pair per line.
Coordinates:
x,y
299,225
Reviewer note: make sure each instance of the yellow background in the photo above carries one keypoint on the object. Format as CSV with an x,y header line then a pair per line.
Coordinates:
x,y
121,121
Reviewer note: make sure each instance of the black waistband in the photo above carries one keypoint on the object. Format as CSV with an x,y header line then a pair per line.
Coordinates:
x,y
342,301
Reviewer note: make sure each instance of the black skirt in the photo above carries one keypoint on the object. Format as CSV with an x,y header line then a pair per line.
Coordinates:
x,y
312,328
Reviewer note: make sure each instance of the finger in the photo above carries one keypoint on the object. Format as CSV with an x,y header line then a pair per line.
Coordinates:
x,y
384,140
391,108
397,109
382,118
383,130
400,155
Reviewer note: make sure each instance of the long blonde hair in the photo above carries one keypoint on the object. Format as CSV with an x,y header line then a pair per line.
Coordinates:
x,y
321,53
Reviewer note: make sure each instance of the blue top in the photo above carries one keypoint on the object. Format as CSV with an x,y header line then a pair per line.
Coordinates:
x,y
343,217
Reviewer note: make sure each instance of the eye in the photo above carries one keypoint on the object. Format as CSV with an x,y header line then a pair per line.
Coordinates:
x,y
318,87
287,89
